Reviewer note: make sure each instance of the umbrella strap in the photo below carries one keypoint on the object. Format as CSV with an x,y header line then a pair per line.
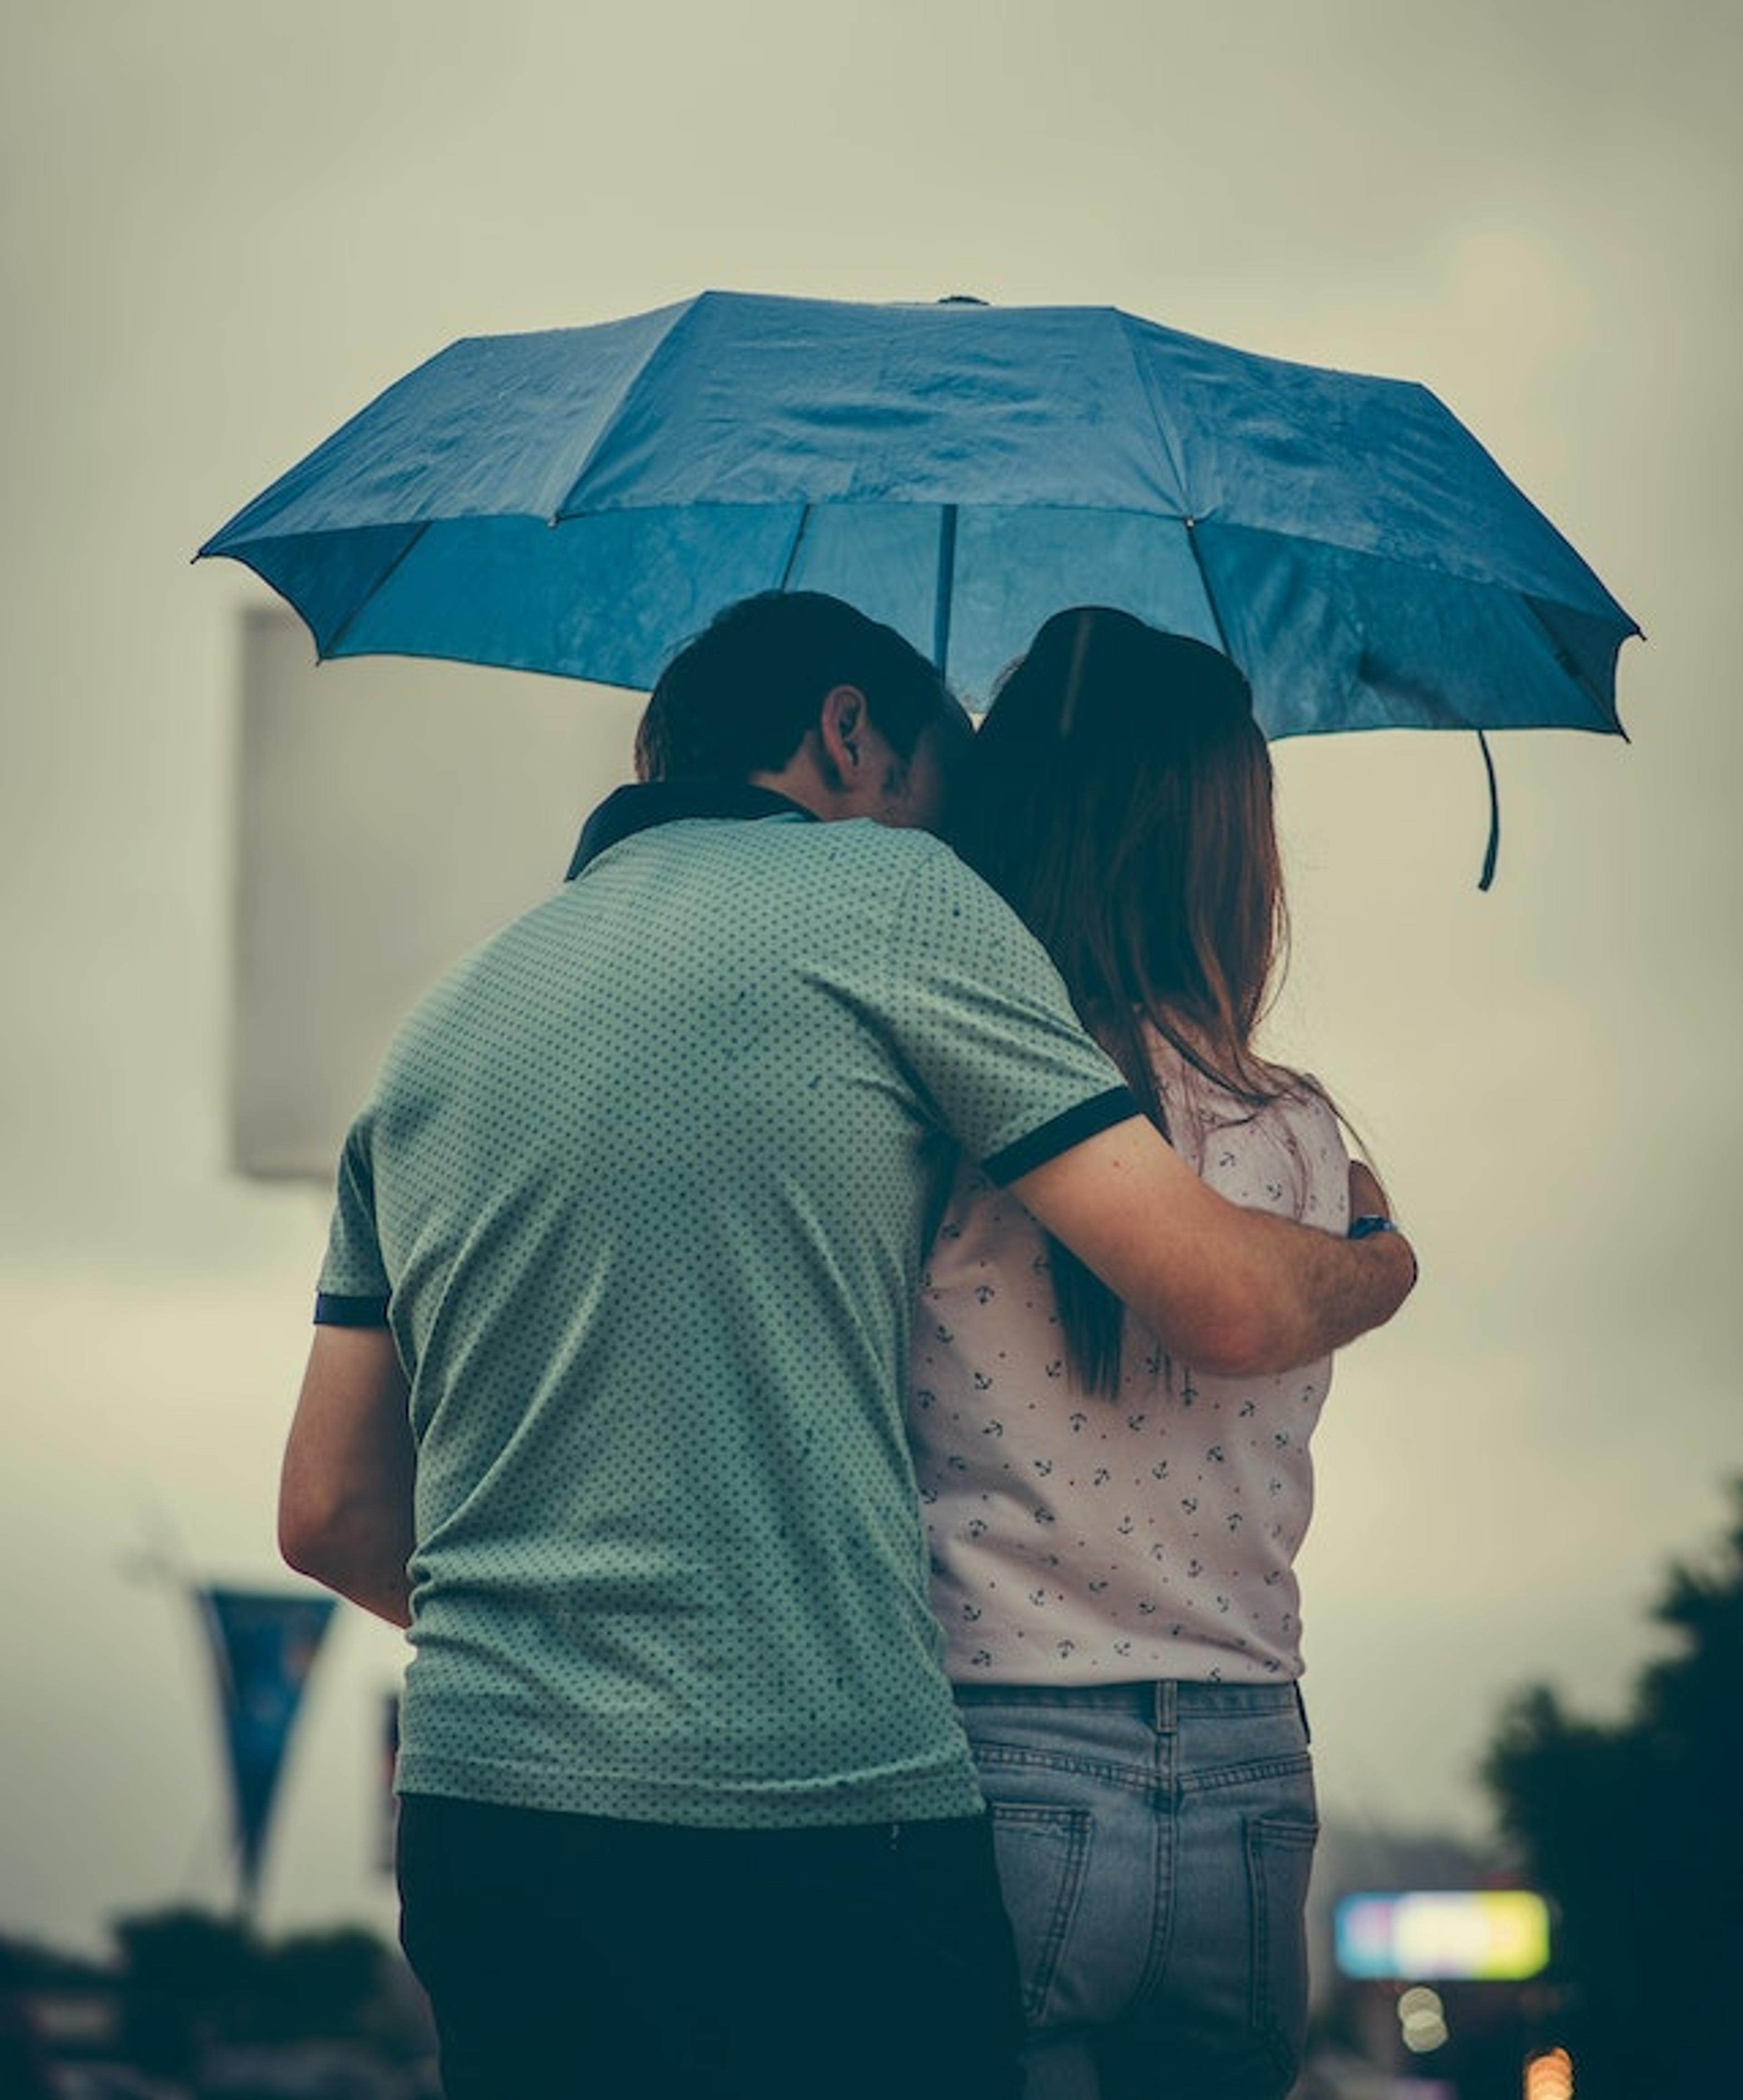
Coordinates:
x,y
1493,849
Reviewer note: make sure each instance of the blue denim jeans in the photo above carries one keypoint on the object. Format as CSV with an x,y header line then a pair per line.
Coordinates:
x,y
1154,1842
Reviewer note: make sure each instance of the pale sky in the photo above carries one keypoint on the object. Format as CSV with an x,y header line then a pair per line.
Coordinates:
x,y
224,228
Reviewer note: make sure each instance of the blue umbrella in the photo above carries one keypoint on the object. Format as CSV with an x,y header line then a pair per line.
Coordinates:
x,y
582,501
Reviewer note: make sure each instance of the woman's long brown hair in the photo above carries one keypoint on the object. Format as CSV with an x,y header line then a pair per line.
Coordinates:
x,y
1119,795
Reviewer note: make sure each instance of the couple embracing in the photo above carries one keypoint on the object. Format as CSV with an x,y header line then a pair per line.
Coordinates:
x,y
801,1235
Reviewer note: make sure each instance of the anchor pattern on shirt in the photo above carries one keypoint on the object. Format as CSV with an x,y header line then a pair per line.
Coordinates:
x,y
1077,1537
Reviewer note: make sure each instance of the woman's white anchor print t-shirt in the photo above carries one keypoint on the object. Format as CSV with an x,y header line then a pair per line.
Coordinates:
x,y
1077,1539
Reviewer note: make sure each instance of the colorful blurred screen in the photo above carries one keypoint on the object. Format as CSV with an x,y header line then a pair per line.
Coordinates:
x,y
1500,1934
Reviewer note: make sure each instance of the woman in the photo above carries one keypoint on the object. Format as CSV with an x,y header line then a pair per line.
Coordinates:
x,y
1113,1533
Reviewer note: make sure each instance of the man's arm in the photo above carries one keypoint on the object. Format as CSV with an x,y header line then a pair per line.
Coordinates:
x,y
345,1493
1234,1291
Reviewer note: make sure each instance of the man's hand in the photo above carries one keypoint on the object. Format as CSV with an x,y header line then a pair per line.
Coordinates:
x,y
1367,1198
344,1494
1235,1291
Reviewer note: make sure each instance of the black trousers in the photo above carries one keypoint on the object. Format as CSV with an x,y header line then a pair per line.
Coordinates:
x,y
570,1957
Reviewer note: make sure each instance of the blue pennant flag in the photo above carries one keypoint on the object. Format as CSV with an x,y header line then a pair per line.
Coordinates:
x,y
264,1644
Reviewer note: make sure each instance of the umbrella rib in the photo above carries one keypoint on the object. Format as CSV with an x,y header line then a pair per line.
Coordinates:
x,y
331,647
1191,524
1164,434
1608,715
799,532
1171,452
567,506
947,584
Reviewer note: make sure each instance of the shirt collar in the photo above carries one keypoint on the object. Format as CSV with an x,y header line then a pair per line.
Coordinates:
x,y
640,807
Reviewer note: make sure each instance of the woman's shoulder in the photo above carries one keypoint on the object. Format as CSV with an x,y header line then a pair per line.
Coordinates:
x,y
982,1226
1179,1073
1291,1142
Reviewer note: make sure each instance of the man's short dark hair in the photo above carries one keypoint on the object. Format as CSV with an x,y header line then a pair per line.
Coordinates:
x,y
742,697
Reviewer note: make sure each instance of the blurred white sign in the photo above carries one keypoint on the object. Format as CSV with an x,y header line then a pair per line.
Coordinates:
x,y
391,813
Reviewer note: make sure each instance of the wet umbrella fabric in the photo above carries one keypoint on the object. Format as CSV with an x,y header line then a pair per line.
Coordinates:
x,y
582,501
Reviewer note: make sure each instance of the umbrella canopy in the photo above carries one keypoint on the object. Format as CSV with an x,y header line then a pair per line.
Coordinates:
x,y
583,501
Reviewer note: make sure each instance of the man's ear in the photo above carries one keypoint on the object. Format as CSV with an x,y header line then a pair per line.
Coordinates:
x,y
840,731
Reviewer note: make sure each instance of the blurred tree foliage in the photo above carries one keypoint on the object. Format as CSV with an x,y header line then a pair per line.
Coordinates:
x,y
1634,1829
191,1981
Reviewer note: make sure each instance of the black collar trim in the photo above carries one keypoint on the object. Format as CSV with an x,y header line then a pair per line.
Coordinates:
x,y
649,802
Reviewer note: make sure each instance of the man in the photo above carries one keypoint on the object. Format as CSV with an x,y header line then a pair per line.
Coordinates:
x,y
618,1290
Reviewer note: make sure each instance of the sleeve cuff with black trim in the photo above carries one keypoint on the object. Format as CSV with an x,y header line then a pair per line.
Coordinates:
x,y
1088,1120
334,1310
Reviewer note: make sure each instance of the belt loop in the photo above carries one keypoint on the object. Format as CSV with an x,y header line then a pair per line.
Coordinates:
x,y
1301,1708
1165,1705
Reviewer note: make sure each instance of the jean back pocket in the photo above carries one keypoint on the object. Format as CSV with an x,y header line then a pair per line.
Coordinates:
x,y
1043,1854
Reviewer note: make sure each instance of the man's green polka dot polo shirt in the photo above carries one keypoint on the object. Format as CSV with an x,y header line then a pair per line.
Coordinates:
x,y
645,1185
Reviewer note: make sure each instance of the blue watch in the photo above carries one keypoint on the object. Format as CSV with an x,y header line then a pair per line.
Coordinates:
x,y
1365,1227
